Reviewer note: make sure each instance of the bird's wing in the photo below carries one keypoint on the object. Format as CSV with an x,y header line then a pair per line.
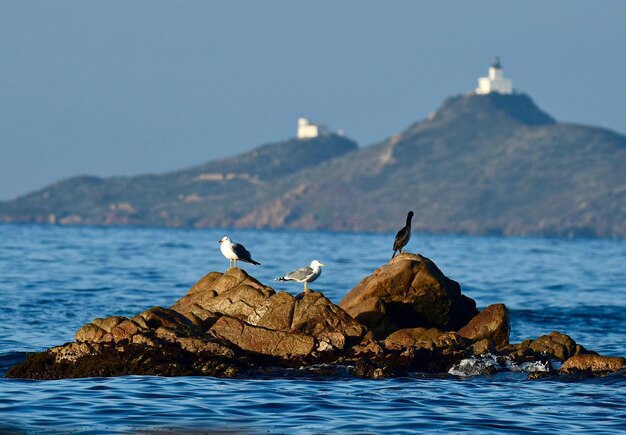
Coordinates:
x,y
400,238
300,274
241,252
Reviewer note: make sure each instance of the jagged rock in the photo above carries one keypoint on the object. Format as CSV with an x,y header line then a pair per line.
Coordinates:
x,y
157,341
233,293
370,312
92,333
71,352
367,369
259,340
594,363
429,339
520,352
368,349
491,323
165,324
158,316
408,292
99,331
200,345
113,360
108,323
229,324
482,347
554,345
312,315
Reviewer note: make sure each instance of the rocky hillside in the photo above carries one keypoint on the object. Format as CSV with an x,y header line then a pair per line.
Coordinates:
x,y
489,164
480,164
190,197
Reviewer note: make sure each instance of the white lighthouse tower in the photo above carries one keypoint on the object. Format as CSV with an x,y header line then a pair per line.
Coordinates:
x,y
495,82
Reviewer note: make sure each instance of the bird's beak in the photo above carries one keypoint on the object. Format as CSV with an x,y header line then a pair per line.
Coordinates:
x,y
219,241
321,264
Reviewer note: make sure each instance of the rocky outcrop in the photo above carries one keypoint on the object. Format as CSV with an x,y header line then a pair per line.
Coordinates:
x,y
423,338
408,292
312,314
406,317
223,326
511,185
555,345
233,293
290,329
263,341
593,363
492,324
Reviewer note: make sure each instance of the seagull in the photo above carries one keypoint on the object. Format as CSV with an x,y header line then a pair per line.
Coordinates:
x,y
304,274
235,251
403,236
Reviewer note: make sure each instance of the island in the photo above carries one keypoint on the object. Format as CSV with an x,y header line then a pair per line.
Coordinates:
x,y
406,317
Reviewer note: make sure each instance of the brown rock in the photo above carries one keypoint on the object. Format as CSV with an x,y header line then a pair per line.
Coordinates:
x,y
71,352
108,323
89,333
145,339
166,334
371,311
409,291
99,331
198,345
315,315
206,282
312,315
275,312
367,369
159,316
260,340
482,347
492,323
368,348
125,331
555,345
594,363
429,339
233,293
117,328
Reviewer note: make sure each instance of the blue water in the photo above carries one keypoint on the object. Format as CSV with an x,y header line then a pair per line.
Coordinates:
x,y
55,279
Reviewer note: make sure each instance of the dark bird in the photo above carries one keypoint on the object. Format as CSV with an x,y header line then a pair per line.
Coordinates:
x,y
403,236
235,251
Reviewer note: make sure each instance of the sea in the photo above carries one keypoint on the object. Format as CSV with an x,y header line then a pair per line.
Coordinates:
x,y
54,279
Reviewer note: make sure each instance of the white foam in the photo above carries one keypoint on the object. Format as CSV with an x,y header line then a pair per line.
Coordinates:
x,y
485,364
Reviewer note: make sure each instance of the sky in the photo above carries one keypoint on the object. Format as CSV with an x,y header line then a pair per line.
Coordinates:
x,y
113,88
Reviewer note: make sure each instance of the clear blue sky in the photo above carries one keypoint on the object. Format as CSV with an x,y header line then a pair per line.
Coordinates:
x,y
129,87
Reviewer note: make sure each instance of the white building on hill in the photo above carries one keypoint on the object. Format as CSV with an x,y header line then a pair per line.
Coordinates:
x,y
308,130
495,82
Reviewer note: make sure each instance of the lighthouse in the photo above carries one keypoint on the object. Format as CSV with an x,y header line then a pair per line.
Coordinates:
x,y
495,82
309,130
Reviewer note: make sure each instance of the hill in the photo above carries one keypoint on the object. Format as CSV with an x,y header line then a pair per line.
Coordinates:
x,y
183,198
480,164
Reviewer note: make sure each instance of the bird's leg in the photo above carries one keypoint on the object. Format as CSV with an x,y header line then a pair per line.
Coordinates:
x,y
306,288
235,263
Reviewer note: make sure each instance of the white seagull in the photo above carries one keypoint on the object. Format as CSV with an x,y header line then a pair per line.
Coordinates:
x,y
305,274
234,252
